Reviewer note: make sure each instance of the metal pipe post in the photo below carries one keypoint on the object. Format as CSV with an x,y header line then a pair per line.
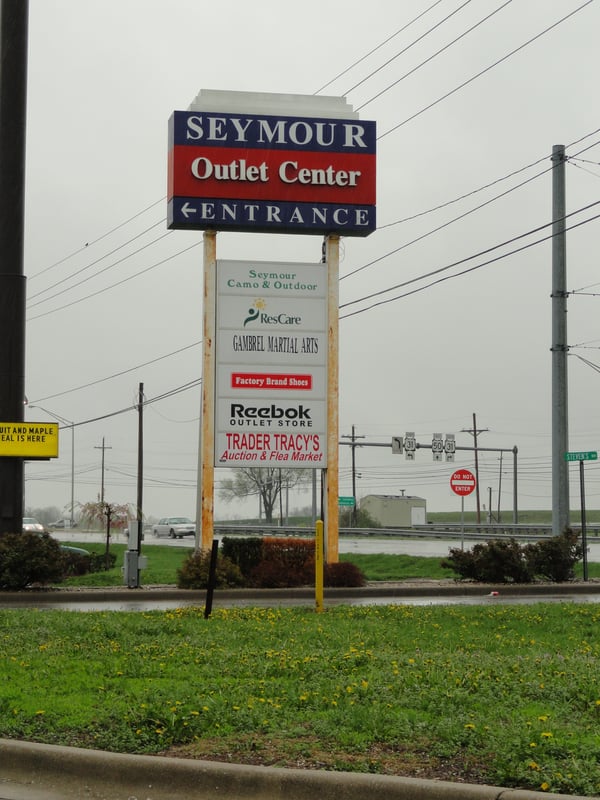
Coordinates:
x,y
560,436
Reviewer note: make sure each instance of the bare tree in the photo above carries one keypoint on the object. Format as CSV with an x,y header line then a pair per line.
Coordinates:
x,y
265,482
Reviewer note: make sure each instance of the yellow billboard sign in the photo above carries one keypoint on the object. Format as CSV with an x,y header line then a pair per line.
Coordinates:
x,y
29,439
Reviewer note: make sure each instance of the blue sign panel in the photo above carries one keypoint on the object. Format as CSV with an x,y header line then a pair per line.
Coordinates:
x,y
271,174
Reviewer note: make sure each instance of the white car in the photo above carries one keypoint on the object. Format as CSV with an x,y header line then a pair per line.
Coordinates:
x,y
175,527
31,525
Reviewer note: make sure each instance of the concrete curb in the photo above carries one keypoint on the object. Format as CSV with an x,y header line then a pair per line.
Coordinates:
x,y
377,589
98,775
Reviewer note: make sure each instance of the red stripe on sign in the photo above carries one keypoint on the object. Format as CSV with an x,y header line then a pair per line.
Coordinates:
x,y
255,380
239,173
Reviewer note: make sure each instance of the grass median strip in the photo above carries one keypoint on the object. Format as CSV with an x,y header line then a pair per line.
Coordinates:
x,y
507,695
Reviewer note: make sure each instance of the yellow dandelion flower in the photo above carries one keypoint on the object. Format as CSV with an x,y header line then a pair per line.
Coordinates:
x,y
544,786
546,735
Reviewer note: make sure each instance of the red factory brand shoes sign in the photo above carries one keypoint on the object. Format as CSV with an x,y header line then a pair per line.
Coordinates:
x,y
250,172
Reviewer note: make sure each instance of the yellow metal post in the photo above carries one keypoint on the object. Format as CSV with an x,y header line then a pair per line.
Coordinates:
x,y
332,248
319,566
207,436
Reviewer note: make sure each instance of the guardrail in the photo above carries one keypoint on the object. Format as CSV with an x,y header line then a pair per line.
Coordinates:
x,y
472,531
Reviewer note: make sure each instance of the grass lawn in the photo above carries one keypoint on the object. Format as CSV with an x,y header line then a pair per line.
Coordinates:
x,y
164,560
504,695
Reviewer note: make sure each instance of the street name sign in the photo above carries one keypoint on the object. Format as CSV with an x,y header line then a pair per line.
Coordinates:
x,y
589,455
463,482
346,501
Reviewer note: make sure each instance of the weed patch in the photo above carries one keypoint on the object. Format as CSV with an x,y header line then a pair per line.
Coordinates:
x,y
505,695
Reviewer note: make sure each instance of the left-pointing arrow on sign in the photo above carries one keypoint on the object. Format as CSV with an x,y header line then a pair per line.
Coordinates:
x,y
186,210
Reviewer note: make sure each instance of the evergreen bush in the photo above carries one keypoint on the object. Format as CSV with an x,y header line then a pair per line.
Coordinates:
x,y
506,561
194,572
27,559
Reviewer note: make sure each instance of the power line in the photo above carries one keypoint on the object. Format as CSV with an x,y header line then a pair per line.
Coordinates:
x,y
117,374
96,274
97,261
464,272
405,49
434,55
483,71
378,47
118,283
95,241
468,258
445,224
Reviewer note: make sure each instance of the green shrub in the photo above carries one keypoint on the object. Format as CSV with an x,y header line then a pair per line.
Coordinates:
x,y
27,559
246,553
496,561
554,559
99,562
506,561
194,572
286,562
75,563
343,574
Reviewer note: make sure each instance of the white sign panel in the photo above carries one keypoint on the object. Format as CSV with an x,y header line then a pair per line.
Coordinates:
x,y
271,356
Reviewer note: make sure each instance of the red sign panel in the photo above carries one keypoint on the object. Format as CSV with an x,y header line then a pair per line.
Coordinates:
x,y
463,482
261,380
271,174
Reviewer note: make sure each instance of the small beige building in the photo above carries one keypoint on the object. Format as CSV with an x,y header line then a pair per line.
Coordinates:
x,y
394,511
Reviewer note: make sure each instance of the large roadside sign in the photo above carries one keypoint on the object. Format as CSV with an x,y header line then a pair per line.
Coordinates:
x,y
29,439
271,365
271,174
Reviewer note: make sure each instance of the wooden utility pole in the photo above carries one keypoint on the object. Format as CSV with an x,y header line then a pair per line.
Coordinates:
x,y
102,447
353,437
474,431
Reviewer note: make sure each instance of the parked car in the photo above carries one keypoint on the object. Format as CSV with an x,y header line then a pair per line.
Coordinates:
x,y
175,527
62,523
31,525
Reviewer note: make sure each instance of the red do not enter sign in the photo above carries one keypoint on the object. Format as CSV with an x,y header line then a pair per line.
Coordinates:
x,y
463,482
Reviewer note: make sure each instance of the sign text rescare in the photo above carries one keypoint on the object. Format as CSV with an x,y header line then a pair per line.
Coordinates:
x,y
29,439
589,455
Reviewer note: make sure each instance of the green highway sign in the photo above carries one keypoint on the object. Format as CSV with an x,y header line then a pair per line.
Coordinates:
x,y
590,455
346,501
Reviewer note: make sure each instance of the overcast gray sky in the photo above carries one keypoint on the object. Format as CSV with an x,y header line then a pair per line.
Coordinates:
x,y
461,103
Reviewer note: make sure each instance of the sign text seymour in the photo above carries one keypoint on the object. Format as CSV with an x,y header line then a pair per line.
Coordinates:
x,y
272,174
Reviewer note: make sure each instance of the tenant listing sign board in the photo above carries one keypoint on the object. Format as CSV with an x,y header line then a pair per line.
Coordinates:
x,y
271,364
271,173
